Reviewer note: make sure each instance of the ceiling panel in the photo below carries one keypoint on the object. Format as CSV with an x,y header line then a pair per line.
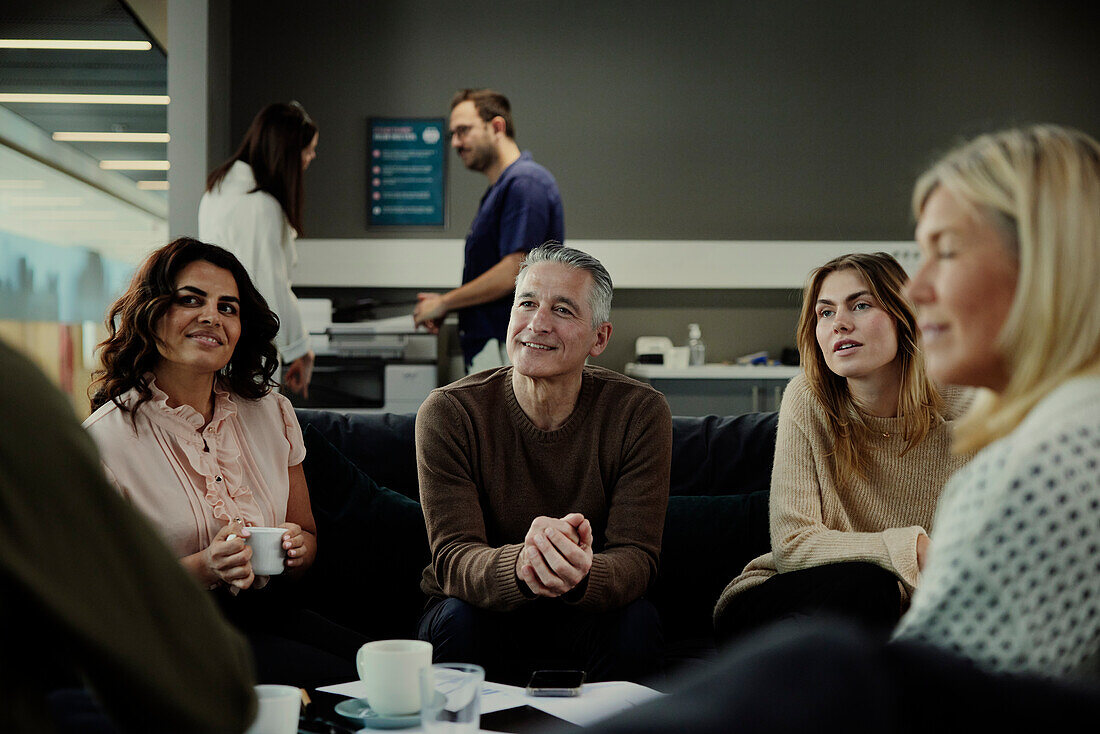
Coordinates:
x,y
101,72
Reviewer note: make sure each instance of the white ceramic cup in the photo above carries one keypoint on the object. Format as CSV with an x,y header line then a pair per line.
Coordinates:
x,y
279,707
267,550
390,670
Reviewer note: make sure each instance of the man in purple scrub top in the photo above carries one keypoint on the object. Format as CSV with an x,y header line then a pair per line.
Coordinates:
x,y
520,211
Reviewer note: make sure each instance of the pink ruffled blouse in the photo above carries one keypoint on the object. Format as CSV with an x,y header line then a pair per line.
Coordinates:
x,y
189,480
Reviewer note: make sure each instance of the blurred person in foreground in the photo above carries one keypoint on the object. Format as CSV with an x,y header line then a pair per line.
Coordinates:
x,y
88,588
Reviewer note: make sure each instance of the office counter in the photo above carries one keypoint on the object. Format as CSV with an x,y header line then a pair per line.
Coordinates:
x,y
716,389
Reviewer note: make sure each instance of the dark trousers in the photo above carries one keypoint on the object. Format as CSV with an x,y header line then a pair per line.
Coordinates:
x,y
291,645
622,644
826,675
863,593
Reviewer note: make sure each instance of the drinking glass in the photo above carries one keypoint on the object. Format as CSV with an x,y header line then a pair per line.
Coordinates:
x,y
450,697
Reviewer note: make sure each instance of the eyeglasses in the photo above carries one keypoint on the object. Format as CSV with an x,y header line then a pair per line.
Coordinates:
x,y
461,131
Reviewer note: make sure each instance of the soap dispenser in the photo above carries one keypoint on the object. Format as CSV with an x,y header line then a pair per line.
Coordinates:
x,y
697,350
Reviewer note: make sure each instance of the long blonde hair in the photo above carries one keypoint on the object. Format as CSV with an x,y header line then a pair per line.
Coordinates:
x,y
919,403
1041,185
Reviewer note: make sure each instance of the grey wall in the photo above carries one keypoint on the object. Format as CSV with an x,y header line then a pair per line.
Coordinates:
x,y
739,120
764,119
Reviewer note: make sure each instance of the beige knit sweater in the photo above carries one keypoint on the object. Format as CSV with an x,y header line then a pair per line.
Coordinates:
x,y
817,519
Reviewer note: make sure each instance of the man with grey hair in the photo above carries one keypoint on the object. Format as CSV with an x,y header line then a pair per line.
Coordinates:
x,y
544,487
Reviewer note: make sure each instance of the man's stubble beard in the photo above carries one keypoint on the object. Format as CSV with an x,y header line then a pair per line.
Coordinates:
x,y
482,158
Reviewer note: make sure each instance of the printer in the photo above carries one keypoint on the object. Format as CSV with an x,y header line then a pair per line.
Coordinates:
x,y
376,365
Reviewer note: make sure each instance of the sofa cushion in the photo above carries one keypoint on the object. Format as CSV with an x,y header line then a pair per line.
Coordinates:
x,y
707,542
717,455
381,444
372,546
713,455
717,516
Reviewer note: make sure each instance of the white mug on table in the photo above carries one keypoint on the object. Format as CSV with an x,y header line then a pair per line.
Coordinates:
x,y
390,670
278,710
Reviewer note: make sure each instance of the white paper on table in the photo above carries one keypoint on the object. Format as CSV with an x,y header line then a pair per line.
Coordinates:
x,y
354,689
597,701
498,697
494,696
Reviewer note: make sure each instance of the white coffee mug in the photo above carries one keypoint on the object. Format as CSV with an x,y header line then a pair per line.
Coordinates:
x,y
267,550
390,670
279,707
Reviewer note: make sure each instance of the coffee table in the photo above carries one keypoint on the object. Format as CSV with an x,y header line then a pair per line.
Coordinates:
x,y
509,708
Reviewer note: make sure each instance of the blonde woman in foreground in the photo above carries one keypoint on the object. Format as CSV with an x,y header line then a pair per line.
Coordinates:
x,y
1008,300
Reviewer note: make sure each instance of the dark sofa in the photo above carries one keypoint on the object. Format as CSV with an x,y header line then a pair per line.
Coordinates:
x,y
361,470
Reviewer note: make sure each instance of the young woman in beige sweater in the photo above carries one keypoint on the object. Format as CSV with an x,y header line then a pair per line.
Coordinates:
x,y
862,453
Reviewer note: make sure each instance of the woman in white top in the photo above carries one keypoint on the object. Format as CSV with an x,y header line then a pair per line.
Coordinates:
x,y
253,208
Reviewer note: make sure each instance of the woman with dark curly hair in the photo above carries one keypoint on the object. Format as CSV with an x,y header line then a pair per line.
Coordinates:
x,y
130,352
192,434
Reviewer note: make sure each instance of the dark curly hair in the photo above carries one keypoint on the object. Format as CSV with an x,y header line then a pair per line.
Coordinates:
x,y
131,348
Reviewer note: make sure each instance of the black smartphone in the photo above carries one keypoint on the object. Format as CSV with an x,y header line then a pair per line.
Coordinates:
x,y
555,683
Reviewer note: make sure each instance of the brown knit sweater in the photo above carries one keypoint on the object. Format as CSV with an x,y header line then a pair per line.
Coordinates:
x,y
817,519
486,472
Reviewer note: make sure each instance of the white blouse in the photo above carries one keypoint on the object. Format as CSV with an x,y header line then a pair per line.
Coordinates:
x,y
252,225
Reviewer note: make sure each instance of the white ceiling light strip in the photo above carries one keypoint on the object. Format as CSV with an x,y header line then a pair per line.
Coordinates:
x,y
150,99
19,184
25,140
42,201
73,45
134,165
94,137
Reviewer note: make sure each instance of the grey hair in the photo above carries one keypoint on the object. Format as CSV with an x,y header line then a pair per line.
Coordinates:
x,y
599,298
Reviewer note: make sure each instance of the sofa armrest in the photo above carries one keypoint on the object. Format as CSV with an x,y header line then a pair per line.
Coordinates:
x,y
707,542
381,445
718,455
372,546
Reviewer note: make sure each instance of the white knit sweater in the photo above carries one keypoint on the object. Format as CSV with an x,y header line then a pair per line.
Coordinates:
x,y
1013,579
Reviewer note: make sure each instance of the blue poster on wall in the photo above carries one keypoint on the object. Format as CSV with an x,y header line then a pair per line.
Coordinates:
x,y
405,164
